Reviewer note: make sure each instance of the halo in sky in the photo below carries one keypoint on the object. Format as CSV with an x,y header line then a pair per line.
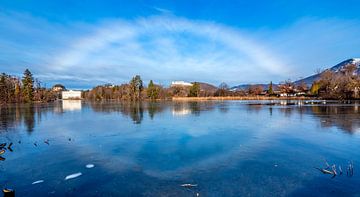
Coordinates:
x,y
168,48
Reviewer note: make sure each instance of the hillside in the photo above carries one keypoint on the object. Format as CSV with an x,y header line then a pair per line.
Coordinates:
x,y
246,86
309,80
207,87
337,68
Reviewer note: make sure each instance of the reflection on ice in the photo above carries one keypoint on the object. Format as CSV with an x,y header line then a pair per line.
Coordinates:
x,y
181,109
181,112
71,105
218,145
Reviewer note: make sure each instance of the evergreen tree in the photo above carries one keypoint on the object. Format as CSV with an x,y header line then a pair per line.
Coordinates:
x,y
152,91
28,86
271,91
17,90
3,94
194,90
136,86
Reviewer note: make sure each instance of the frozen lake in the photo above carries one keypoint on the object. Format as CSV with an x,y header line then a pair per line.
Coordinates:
x,y
230,148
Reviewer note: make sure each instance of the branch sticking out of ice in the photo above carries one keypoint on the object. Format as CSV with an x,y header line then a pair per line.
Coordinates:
x,y
72,176
36,182
90,165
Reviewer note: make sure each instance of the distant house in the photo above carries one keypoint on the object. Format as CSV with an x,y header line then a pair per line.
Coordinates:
x,y
58,88
180,83
71,95
287,95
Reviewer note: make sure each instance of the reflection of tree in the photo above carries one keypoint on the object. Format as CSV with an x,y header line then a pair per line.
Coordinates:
x,y
223,107
287,111
8,118
136,112
29,117
195,108
27,114
254,107
105,107
154,107
344,117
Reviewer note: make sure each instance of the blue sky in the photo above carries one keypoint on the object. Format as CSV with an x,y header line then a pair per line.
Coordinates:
x,y
84,43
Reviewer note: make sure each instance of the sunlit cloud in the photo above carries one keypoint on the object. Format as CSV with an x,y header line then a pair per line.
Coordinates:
x,y
169,48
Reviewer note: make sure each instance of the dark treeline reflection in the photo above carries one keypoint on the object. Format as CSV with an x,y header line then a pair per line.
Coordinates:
x,y
343,116
346,118
29,115
136,110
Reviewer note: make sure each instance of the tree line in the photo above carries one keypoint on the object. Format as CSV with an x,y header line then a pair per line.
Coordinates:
x,y
132,91
26,89
340,85
344,84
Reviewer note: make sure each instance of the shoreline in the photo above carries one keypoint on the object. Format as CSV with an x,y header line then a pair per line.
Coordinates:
x,y
177,99
242,98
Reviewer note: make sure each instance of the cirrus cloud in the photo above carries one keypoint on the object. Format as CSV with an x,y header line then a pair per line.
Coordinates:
x,y
170,48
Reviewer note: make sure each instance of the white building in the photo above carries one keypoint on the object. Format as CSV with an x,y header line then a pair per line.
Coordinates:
x,y
181,83
71,94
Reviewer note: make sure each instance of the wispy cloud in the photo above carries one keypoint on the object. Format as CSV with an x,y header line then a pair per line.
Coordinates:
x,y
166,48
162,10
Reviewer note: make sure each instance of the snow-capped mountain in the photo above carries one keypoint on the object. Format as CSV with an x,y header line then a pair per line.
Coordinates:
x,y
337,68
309,80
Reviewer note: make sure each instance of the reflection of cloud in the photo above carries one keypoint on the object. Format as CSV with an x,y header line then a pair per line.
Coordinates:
x,y
199,138
228,143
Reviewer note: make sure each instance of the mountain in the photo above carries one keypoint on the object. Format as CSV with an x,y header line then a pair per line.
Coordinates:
x,y
308,80
246,86
337,68
207,87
